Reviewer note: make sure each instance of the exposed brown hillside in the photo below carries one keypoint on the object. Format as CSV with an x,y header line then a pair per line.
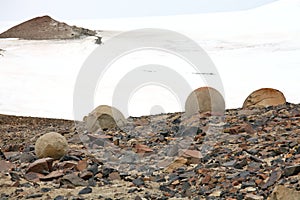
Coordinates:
x,y
44,28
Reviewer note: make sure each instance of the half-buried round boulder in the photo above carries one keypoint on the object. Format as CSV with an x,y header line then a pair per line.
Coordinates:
x,y
205,99
104,117
264,97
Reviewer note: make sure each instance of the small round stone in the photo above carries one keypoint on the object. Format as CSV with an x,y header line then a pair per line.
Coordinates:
x,y
52,145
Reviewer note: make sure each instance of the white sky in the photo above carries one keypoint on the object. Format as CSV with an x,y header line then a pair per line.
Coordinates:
x,y
13,10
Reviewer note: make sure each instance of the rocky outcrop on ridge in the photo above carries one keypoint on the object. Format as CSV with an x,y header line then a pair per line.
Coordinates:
x,y
45,28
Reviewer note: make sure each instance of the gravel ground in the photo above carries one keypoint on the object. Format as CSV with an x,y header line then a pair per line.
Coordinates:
x,y
244,154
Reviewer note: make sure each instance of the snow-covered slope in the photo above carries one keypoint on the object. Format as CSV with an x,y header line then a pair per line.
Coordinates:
x,y
251,49
275,19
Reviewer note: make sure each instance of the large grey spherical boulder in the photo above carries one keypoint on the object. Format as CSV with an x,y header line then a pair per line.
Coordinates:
x,y
205,99
264,97
52,145
104,117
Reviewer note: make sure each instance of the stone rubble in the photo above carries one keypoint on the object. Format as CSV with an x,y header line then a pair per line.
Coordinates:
x,y
249,154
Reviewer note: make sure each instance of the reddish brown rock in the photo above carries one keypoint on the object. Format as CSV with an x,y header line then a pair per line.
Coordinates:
x,y
140,148
179,162
205,99
44,28
85,175
263,98
192,153
73,179
206,179
82,165
114,176
5,166
67,165
41,166
33,176
52,175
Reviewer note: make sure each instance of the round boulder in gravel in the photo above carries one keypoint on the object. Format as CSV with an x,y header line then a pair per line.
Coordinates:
x,y
104,117
52,145
205,99
263,98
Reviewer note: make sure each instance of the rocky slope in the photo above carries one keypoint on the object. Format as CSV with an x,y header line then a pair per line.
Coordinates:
x,y
45,28
247,154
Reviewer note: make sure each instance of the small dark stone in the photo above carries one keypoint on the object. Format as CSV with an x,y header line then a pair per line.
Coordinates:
x,y
32,196
248,184
252,151
244,174
2,156
165,133
14,176
275,175
212,165
172,151
59,197
98,40
138,182
191,131
173,177
107,171
28,148
164,188
241,164
132,190
294,181
93,169
159,179
292,170
92,182
27,157
45,189
229,164
99,142
176,121
26,185
253,140
185,185
69,158
86,190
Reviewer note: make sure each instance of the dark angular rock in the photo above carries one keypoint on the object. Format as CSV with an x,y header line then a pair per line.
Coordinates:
x,y
275,175
292,170
72,179
107,171
33,196
86,190
27,157
45,189
229,164
59,197
138,182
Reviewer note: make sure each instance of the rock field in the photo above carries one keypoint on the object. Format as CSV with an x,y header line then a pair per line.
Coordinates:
x,y
248,154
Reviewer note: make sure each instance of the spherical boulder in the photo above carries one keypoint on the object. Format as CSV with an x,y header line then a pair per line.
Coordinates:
x,y
205,99
264,97
104,117
52,145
